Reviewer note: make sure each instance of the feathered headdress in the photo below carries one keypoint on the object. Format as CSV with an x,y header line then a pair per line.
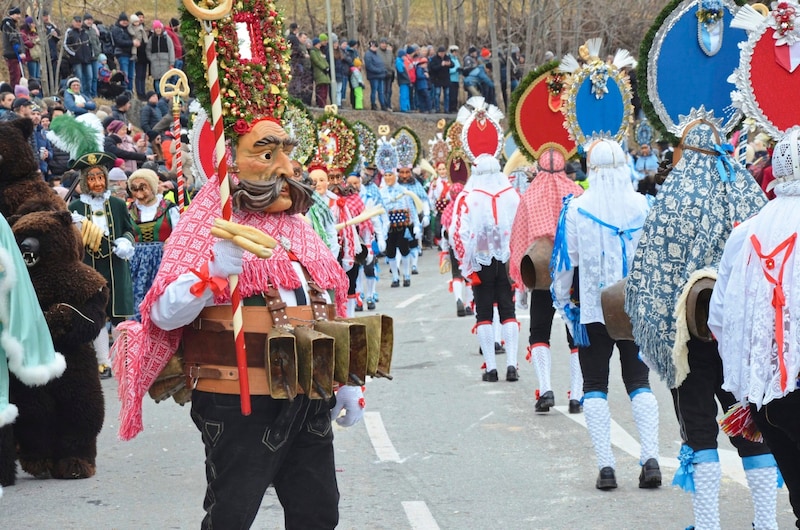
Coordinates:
x,y
82,138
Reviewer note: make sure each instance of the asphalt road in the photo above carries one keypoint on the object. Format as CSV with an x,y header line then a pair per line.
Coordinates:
x,y
438,448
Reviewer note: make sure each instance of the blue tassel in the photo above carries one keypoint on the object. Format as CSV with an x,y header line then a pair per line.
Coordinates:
x,y
579,334
560,259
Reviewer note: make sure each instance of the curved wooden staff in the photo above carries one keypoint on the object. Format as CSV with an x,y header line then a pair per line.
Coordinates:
x,y
206,16
179,91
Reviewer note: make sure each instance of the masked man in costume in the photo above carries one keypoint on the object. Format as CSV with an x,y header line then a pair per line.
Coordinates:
x,y
286,443
111,258
679,246
371,197
483,248
537,218
153,221
404,227
753,315
597,236
408,181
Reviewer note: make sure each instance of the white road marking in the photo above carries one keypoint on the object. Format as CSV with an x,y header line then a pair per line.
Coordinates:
x,y
419,515
380,438
410,301
729,460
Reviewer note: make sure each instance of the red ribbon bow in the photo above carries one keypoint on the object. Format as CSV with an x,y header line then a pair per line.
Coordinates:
x,y
217,285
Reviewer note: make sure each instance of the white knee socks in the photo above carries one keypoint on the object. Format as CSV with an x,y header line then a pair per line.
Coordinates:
x,y
540,354
101,347
705,499
598,421
575,376
762,478
394,267
486,340
511,338
645,414
458,289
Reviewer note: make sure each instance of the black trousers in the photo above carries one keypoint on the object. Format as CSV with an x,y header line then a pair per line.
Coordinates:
x,y
695,404
455,267
542,312
495,288
779,423
395,240
352,278
287,444
595,360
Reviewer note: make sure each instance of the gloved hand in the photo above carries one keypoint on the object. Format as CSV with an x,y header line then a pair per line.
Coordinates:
x,y
351,400
381,246
426,220
227,259
78,218
417,231
123,248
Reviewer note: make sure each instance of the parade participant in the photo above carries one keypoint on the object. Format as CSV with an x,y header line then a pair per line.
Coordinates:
x,y
484,233
535,224
596,237
750,313
153,220
296,453
320,213
404,224
111,257
407,180
371,196
461,289
681,248
438,198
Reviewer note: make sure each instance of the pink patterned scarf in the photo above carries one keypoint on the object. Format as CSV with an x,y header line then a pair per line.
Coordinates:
x,y
537,214
146,349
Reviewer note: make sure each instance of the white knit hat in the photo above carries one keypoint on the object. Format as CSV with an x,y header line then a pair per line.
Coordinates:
x,y
786,157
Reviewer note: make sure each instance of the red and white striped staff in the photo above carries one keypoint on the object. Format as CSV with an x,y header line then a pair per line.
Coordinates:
x,y
207,15
178,90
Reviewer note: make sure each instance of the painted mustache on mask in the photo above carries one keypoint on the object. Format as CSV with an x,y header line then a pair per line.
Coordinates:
x,y
256,196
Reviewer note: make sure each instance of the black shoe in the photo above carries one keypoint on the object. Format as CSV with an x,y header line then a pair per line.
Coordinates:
x,y
606,479
105,371
406,282
545,401
414,270
359,308
469,310
395,283
650,477
499,348
575,406
511,374
370,304
460,311
490,376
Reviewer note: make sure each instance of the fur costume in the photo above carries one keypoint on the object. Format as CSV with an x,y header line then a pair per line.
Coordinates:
x,y
21,180
56,431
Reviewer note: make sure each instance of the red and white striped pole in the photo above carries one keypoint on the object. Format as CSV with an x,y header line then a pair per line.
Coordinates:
x,y
178,90
225,199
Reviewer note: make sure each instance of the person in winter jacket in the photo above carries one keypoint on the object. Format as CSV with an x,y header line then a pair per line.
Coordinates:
x,y
322,72
151,114
439,69
357,82
75,100
113,145
423,86
97,48
140,37
13,49
376,74
161,54
123,48
403,81
78,51
33,47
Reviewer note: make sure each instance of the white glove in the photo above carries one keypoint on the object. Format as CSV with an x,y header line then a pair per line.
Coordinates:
x,y
416,231
78,218
381,246
426,220
123,248
351,400
227,259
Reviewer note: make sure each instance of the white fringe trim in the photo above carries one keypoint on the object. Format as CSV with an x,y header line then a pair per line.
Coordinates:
x,y
680,350
36,375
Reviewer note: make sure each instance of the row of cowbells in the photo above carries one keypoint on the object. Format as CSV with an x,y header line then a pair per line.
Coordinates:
x,y
301,356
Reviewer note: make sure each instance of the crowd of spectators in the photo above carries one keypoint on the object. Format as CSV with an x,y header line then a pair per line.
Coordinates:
x,y
428,79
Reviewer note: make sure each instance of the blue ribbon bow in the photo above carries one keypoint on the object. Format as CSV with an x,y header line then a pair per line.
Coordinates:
x,y
725,163
622,234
